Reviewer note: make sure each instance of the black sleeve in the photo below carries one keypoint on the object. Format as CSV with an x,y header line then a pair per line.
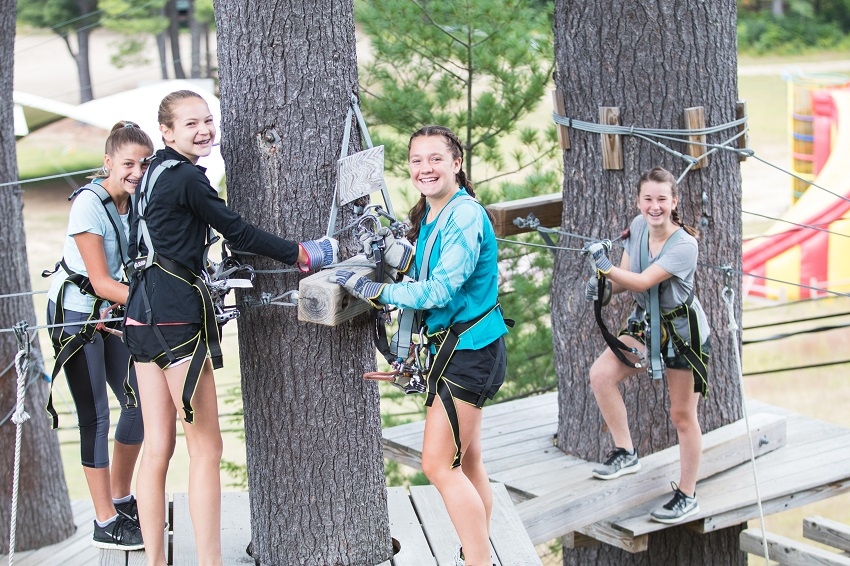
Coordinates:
x,y
203,200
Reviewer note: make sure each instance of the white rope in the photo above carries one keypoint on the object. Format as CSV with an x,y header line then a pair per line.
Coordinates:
x,y
19,418
729,298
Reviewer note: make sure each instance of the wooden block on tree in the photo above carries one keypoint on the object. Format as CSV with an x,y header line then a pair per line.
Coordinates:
x,y
560,110
828,532
695,120
612,144
322,301
547,209
788,551
556,514
744,139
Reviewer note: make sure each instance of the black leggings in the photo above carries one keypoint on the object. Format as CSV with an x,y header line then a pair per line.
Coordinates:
x,y
100,363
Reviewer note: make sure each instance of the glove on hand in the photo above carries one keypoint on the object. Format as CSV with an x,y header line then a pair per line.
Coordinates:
x,y
591,291
321,252
361,287
398,252
599,252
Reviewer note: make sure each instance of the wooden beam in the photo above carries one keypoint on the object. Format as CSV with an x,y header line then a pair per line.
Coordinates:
x,y
560,109
322,301
591,500
547,209
605,532
788,551
612,144
695,120
744,140
828,532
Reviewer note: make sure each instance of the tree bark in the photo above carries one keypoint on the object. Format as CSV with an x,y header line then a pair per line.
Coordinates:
x,y
195,29
163,55
651,59
312,424
44,511
174,37
83,70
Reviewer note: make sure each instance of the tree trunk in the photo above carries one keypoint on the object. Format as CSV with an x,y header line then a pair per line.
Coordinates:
x,y
195,29
312,424
44,511
208,70
163,55
82,60
174,37
651,59
777,8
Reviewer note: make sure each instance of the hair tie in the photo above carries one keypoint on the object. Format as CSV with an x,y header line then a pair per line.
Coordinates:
x,y
130,125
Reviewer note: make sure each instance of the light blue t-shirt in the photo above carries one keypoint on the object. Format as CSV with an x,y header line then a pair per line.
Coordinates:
x,y
87,215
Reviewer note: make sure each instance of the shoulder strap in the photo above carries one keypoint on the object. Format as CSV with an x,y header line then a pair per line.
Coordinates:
x,y
114,218
148,183
442,220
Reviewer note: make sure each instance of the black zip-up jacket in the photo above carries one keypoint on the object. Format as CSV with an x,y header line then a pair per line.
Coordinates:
x,y
179,210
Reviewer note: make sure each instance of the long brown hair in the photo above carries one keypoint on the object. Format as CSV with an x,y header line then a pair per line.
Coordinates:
x,y
417,213
661,175
123,133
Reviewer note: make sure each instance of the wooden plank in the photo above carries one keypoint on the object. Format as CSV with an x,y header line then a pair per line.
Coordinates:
x,y
612,145
603,531
406,529
510,541
561,110
75,550
235,530
112,557
744,139
788,551
558,513
695,120
322,301
828,532
547,209
438,528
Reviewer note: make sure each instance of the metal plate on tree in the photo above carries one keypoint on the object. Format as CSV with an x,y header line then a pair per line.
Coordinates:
x,y
360,174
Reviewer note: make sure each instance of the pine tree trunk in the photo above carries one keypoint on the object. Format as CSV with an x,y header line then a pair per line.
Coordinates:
x,y
83,70
174,38
651,59
44,511
163,55
195,30
312,424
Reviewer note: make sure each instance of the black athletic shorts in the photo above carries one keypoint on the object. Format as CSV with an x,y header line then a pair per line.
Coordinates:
x,y
145,346
470,369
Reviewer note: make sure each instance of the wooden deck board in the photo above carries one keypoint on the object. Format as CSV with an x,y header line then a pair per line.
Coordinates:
x,y
405,527
75,550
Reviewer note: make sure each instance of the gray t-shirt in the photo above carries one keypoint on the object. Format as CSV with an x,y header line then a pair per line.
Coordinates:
x,y
679,259
87,215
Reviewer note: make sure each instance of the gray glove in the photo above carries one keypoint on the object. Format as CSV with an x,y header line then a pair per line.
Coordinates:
x,y
361,287
599,252
591,291
320,253
398,252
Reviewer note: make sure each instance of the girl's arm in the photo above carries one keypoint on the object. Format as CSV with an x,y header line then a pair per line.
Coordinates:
x,y
91,250
622,279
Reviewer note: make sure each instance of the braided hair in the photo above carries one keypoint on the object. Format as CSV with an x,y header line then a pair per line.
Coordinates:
x,y
661,175
417,213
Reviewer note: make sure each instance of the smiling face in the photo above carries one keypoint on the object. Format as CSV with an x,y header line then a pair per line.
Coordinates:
x,y
656,202
125,167
433,168
191,131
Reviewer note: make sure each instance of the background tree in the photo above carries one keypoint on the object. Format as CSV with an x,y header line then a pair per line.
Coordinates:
x,y
73,21
479,68
135,20
652,59
312,423
44,510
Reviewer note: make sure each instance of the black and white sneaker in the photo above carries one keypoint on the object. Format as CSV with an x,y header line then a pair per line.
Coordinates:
x,y
618,463
120,534
129,509
677,509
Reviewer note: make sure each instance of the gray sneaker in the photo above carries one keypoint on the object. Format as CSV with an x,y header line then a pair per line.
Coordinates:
x,y
120,534
129,509
677,509
618,463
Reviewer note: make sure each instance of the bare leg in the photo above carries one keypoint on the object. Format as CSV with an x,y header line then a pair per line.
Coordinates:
x,y
203,439
466,506
605,375
124,458
473,465
98,482
683,413
159,415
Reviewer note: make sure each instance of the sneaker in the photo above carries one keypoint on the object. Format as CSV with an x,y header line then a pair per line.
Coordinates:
x,y
677,509
120,534
129,509
618,463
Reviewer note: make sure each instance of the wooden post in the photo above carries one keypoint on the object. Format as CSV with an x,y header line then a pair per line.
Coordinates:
x,y
547,209
695,120
612,145
743,141
322,301
560,109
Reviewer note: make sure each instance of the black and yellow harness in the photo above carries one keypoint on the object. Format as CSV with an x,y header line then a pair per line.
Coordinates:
x,y
65,345
208,339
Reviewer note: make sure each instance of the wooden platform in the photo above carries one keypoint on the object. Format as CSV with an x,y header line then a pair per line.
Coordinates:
x,y
789,552
76,550
518,451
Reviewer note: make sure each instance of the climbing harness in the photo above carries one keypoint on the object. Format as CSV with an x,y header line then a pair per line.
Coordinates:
x,y
66,345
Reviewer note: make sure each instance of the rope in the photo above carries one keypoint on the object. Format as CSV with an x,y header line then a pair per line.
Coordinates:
x,y
25,293
729,297
44,326
49,177
19,417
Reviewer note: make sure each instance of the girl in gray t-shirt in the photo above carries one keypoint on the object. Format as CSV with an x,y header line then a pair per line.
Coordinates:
x,y
659,251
